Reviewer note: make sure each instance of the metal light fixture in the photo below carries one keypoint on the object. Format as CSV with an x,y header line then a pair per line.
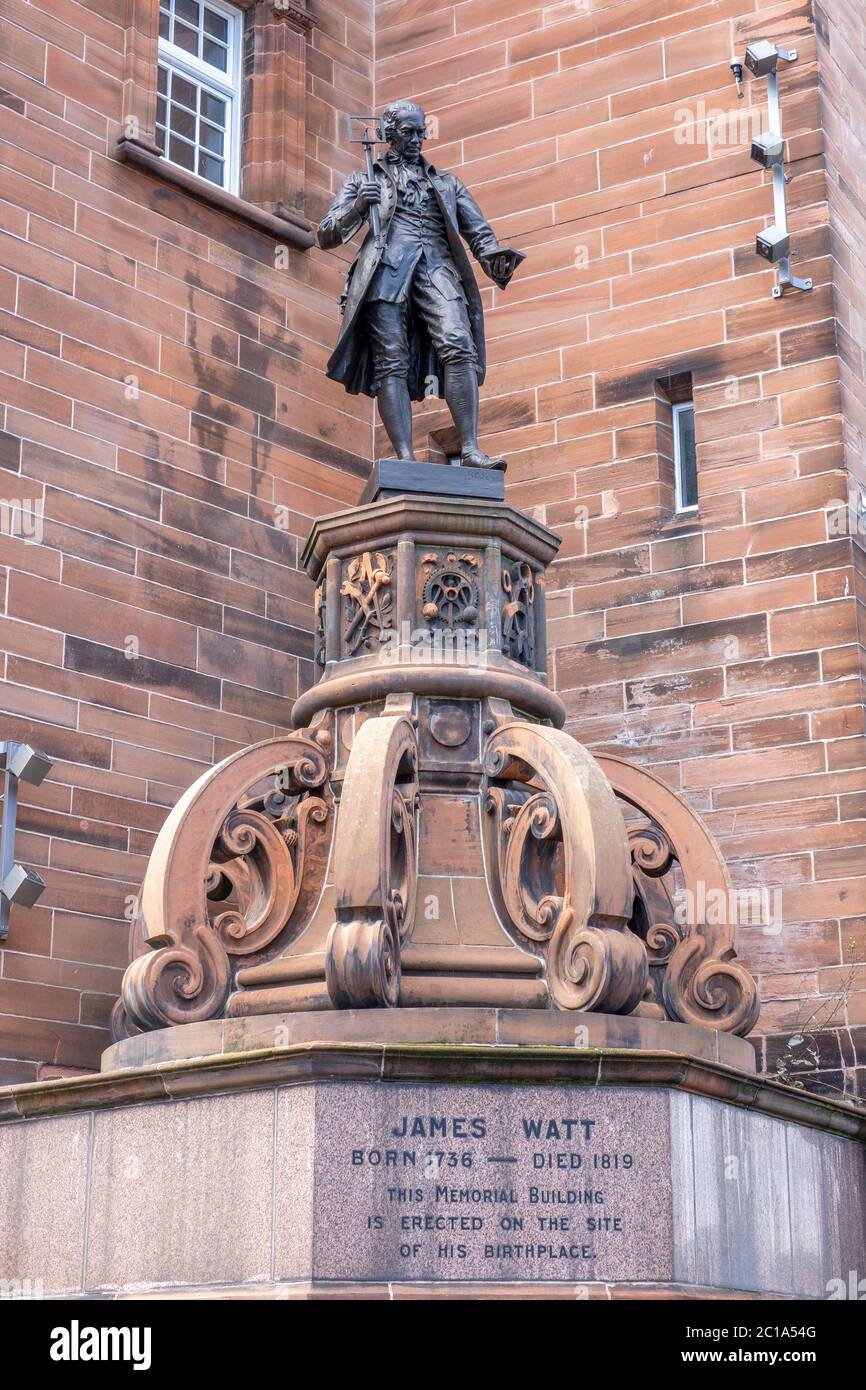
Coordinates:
x,y
21,763
768,149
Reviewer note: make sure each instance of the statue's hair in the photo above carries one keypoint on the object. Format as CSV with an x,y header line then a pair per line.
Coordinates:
x,y
393,113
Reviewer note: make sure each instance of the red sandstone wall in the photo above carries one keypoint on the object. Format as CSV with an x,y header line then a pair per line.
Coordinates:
x,y
722,650
163,621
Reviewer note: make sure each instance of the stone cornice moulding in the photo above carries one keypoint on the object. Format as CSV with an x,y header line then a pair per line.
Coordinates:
x,y
495,1064
295,14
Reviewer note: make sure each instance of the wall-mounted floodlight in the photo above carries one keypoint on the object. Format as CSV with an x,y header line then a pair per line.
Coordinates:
x,y
17,885
22,886
27,764
768,149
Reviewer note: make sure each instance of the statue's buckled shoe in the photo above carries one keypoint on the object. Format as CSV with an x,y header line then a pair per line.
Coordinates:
x,y
474,458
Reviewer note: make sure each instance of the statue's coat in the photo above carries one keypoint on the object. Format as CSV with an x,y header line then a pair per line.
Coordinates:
x,y
351,361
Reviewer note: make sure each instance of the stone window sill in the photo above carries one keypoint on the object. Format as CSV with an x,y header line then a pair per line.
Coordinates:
x,y
293,230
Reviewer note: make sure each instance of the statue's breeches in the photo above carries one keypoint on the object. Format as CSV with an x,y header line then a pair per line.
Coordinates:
x,y
446,321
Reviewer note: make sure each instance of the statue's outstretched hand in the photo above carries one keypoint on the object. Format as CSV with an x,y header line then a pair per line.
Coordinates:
x,y
501,264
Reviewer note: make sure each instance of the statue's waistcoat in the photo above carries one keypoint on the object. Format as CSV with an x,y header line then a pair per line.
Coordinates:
x,y
416,230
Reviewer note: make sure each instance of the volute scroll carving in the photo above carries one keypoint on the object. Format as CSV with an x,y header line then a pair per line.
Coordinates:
x,y
701,983
375,865
558,866
236,868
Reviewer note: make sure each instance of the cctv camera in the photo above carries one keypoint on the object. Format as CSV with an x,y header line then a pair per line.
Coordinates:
x,y
762,58
26,763
773,244
22,886
768,149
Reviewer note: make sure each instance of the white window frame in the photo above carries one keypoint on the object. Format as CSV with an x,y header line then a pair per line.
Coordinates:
x,y
677,411
224,84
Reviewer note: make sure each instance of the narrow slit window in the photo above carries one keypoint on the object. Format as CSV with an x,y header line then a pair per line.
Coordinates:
x,y
199,90
685,456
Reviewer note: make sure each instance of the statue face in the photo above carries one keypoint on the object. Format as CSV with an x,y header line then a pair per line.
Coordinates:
x,y
408,135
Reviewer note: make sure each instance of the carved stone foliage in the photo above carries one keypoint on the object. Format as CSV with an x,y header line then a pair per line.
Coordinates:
x,y
518,613
375,865
236,869
450,590
368,602
558,866
700,980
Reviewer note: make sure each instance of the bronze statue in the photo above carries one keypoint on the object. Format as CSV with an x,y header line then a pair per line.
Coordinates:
x,y
412,313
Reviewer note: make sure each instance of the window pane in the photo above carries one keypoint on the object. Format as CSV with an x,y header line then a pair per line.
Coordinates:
x,y
216,24
214,54
163,81
183,91
185,38
188,9
687,463
179,152
160,137
211,168
213,108
160,110
182,122
164,24
211,138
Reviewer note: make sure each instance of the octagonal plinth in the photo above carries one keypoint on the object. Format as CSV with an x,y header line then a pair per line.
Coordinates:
x,y
433,596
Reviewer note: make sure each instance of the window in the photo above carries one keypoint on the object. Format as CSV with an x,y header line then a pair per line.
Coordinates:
x,y
198,95
685,456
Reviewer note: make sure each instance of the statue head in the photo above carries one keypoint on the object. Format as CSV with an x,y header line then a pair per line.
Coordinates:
x,y
404,127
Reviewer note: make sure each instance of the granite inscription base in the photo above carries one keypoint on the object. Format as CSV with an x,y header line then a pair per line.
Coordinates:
x,y
378,1170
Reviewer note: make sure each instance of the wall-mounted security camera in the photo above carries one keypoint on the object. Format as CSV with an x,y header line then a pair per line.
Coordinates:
x,y
768,149
773,244
762,58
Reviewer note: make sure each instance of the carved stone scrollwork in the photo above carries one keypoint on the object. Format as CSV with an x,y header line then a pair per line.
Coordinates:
x,y
375,865
368,612
701,983
238,864
558,866
449,596
654,918
518,613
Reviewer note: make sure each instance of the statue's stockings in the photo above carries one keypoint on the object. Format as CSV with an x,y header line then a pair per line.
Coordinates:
x,y
461,395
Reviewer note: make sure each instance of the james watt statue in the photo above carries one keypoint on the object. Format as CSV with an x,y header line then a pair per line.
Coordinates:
x,y
412,313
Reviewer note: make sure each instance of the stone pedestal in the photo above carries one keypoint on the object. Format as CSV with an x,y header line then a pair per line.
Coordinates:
x,y
424,998
388,1170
